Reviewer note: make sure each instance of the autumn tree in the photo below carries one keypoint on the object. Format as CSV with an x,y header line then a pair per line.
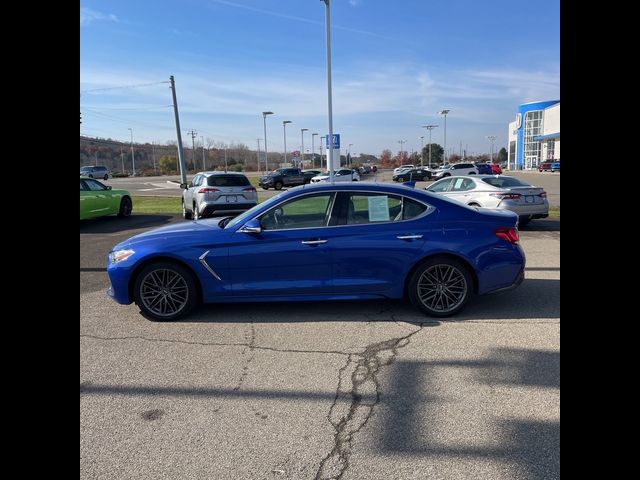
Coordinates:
x,y
168,165
385,159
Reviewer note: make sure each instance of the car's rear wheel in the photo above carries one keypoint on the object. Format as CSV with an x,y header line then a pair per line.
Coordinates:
x,y
186,215
440,287
278,186
523,221
165,291
125,207
196,214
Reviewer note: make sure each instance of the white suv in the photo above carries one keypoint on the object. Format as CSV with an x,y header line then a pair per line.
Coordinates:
x,y
455,170
403,167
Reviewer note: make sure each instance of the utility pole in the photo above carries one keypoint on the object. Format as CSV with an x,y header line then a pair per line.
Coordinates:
x,y
153,156
193,134
122,158
322,139
133,158
225,158
258,159
492,138
183,173
204,167
422,150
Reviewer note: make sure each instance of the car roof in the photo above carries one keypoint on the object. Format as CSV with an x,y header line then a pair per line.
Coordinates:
x,y
222,174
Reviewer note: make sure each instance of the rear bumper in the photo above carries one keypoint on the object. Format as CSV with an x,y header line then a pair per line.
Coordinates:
x,y
215,208
516,284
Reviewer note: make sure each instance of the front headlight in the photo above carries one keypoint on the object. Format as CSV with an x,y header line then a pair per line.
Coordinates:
x,y
119,255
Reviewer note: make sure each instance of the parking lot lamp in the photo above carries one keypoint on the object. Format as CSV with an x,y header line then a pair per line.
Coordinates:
x,y
264,120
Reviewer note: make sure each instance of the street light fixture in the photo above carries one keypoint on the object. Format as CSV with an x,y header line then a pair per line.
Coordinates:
x,y
284,127
492,138
133,158
445,112
401,142
264,119
302,130
327,11
313,151
430,127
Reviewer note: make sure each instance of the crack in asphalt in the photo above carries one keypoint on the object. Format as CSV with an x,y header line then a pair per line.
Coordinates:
x,y
215,344
251,338
364,395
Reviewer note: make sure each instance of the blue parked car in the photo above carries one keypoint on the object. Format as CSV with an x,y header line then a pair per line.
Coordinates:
x,y
484,168
324,242
555,167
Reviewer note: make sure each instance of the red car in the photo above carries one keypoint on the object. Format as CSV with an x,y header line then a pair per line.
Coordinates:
x,y
495,169
545,166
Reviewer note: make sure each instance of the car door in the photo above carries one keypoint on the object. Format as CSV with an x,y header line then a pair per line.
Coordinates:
x,y
461,189
290,256
292,177
88,200
101,199
189,193
377,241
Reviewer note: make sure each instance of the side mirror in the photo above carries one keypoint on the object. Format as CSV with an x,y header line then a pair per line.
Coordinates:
x,y
183,185
108,187
252,226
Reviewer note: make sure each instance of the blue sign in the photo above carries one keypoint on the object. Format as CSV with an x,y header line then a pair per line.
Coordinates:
x,y
336,140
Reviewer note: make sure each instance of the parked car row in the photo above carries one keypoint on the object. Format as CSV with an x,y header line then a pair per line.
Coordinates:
x,y
549,166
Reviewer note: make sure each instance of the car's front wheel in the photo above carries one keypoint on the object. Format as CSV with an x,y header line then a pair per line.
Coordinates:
x,y
278,185
165,291
440,287
125,207
106,177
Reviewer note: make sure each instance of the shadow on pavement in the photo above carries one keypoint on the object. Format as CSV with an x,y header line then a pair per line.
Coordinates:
x,y
113,224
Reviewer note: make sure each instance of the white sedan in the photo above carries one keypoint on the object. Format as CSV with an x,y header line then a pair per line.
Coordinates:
x,y
342,175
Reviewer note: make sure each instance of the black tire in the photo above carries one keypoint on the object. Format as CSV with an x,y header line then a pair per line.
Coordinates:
x,y
90,176
446,175
125,207
438,281
165,291
265,188
106,177
278,186
472,173
186,215
523,221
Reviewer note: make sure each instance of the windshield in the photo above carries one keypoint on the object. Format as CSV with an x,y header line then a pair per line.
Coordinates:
x,y
277,171
240,219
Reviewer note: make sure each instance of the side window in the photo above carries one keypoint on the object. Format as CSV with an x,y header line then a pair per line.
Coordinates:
x,y
440,187
83,186
412,209
94,186
306,212
462,184
197,180
373,208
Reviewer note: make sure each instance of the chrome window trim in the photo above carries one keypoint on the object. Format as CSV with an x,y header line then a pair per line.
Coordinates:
x,y
429,210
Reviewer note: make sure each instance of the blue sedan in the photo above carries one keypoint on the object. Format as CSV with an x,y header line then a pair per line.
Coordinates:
x,y
323,242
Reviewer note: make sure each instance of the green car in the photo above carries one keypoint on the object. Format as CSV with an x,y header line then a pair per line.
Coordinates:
x,y
97,200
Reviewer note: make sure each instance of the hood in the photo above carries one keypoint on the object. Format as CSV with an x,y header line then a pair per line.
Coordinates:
x,y
188,229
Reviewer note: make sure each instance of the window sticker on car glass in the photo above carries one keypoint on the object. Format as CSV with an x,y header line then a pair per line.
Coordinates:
x,y
378,208
458,182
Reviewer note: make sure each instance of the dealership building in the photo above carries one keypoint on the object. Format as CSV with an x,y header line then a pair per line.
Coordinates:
x,y
534,136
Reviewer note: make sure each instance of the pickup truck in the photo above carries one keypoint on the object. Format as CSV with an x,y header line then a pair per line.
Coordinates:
x,y
282,177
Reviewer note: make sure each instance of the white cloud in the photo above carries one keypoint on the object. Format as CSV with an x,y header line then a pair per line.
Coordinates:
x,y
87,15
355,3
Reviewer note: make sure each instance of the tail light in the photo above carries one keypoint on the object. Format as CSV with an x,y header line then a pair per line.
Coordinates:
x,y
208,190
506,196
542,194
252,189
509,234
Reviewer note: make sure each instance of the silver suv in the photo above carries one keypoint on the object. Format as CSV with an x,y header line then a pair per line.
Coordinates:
x,y
217,193
95,171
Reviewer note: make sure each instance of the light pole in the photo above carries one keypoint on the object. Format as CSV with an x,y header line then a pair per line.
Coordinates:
x,y
153,155
284,127
133,159
445,112
313,151
302,130
430,127
264,119
349,156
258,155
492,138
401,142
327,11
422,150
322,139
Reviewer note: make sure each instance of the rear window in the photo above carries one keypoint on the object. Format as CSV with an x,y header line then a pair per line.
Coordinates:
x,y
228,181
504,182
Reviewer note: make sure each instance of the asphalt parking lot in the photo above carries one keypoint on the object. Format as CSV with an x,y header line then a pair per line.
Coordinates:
x,y
319,390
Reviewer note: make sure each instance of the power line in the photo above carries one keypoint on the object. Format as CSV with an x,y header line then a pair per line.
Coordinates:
x,y
122,86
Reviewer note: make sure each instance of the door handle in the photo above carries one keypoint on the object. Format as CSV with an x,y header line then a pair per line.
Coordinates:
x,y
409,237
314,242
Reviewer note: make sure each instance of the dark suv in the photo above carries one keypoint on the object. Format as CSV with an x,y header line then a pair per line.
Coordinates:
x,y
95,171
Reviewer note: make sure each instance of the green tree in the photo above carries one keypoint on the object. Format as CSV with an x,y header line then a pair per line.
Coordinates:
x,y
436,153
502,155
168,165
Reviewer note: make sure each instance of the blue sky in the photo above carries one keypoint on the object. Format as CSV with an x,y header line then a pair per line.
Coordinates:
x,y
394,65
